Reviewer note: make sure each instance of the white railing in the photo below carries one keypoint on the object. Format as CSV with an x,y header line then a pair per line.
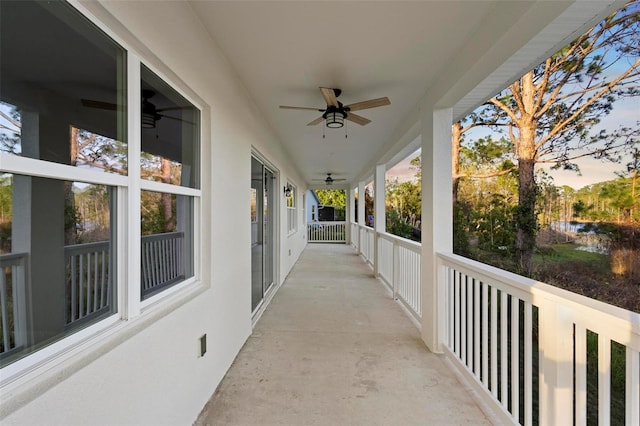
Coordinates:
x,y
367,244
526,345
88,279
539,354
12,301
399,268
326,232
397,262
355,236
162,262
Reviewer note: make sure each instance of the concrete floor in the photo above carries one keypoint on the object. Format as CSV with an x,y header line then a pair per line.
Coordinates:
x,y
333,348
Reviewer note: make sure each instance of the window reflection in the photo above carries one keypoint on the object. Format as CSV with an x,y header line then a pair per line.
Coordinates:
x,y
64,77
56,260
170,141
167,240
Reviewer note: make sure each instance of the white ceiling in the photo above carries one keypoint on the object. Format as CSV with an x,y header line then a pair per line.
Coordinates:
x,y
283,51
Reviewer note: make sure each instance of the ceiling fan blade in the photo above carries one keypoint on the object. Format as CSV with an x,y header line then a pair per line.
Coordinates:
x,y
176,118
358,119
99,104
305,108
372,103
316,121
171,108
329,96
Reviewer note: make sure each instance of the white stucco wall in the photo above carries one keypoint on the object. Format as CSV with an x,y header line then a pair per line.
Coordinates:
x,y
148,370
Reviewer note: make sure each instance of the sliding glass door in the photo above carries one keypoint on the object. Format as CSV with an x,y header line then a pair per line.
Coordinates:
x,y
262,231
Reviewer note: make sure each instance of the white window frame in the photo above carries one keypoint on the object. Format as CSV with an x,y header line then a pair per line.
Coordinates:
x,y
127,279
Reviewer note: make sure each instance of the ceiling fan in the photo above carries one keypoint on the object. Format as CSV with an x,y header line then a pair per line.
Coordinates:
x,y
335,113
150,114
329,180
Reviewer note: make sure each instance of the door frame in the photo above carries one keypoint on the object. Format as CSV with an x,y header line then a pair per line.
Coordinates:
x,y
276,213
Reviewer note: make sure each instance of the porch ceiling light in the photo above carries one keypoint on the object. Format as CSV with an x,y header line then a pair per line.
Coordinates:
x,y
334,117
287,190
148,115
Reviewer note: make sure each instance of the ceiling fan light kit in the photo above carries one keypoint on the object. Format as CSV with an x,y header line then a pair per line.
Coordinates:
x,y
329,180
335,113
148,115
334,118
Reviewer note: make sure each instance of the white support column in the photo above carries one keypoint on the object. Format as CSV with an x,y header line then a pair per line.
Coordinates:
x,y
361,216
437,217
347,215
352,205
379,198
353,237
378,210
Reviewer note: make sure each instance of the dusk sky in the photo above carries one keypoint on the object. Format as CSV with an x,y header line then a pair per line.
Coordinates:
x,y
626,113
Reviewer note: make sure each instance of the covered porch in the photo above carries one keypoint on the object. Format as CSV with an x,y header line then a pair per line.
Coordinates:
x,y
334,348
376,330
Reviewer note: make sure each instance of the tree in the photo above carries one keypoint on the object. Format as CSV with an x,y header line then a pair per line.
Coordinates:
x,y
551,112
332,197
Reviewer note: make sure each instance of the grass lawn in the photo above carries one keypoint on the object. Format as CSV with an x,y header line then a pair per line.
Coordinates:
x,y
559,253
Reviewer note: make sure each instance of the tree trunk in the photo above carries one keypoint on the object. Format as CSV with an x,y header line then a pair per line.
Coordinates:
x,y
526,222
456,135
166,198
526,213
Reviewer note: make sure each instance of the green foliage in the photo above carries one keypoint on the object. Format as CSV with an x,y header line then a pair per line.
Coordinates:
x,y
153,219
332,197
494,224
461,232
6,194
405,199
397,226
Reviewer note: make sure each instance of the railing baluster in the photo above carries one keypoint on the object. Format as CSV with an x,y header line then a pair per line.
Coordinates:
x,y
95,281
494,342
74,291
476,328
528,364
515,358
88,281
604,380
450,305
504,347
103,278
470,332
463,319
580,414
81,286
6,336
485,334
456,280
632,388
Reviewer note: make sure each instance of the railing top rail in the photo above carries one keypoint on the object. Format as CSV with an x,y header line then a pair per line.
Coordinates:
x,y
326,222
85,248
597,315
10,259
163,236
410,244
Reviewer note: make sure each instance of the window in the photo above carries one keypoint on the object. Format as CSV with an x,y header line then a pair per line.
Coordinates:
x,y
292,217
169,159
62,126
70,184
